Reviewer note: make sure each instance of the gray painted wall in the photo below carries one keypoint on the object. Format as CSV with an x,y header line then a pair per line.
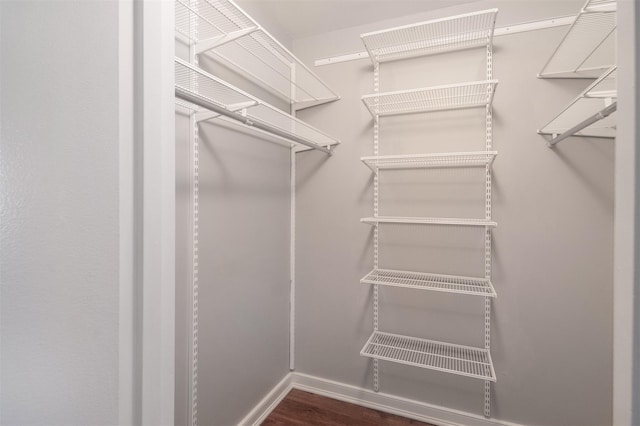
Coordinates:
x,y
552,258
244,265
59,217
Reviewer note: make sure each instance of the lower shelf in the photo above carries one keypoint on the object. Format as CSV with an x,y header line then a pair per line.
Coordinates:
x,y
434,282
456,359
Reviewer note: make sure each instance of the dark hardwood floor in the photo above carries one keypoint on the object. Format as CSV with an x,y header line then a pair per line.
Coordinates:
x,y
304,408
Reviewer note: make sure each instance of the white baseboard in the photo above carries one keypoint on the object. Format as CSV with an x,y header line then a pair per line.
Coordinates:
x,y
268,403
392,404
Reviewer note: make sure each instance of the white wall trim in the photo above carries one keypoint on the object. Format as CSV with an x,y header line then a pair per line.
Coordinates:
x,y
390,403
367,398
157,138
268,403
626,297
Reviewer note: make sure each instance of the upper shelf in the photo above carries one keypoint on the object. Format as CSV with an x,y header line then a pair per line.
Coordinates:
x,y
426,161
223,30
594,100
431,37
429,99
588,48
197,87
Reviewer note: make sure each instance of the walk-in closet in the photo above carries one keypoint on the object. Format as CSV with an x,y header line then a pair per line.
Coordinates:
x,y
319,212
395,212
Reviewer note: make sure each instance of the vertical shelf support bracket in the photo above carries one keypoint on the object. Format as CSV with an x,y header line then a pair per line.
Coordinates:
x,y
376,228
487,238
292,236
195,198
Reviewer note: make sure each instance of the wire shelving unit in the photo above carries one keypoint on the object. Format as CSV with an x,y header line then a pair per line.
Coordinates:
x,y
430,99
222,30
427,221
433,282
426,161
457,359
223,99
427,38
588,48
591,114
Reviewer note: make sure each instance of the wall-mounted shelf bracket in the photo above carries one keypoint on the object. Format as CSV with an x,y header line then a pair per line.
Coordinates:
x,y
214,42
590,114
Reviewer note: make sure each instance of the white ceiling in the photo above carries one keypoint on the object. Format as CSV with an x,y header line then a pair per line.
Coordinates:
x,y
301,18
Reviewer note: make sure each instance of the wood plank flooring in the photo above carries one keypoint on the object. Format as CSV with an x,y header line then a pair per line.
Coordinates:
x,y
304,408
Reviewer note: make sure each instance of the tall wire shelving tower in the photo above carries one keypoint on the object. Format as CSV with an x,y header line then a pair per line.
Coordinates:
x,y
472,30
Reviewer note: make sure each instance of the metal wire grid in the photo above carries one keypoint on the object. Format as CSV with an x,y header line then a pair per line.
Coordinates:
x,y
422,161
183,22
587,48
427,281
430,354
429,99
428,221
600,5
223,94
593,99
431,37
251,50
604,87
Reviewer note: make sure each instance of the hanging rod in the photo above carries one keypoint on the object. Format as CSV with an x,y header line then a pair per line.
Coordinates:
x,y
204,103
588,122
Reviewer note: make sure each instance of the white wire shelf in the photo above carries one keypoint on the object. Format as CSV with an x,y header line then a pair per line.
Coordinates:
x,y
223,30
427,221
601,95
431,37
199,88
430,99
424,161
449,358
434,282
588,48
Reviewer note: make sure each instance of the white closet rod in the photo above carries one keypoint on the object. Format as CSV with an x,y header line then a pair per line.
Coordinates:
x,y
588,122
189,97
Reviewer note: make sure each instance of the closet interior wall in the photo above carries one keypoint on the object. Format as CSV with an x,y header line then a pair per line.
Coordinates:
x,y
552,258
244,210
